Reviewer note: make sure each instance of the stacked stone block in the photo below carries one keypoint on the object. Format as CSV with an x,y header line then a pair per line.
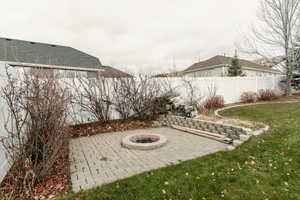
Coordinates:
x,y
233,132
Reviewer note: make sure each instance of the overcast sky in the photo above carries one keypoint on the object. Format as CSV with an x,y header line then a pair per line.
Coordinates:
x,y
138,35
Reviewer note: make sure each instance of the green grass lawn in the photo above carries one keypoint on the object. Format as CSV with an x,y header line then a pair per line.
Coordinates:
x,y
266,167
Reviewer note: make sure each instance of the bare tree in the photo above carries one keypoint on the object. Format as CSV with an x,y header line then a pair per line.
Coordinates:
x,y
278,32
36,124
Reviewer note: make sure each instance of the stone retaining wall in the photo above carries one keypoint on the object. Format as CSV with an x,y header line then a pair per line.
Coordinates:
x,y
232,132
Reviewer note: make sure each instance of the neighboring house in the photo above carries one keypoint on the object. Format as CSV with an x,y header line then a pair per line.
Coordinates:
x,y
66,61
218,66
269,62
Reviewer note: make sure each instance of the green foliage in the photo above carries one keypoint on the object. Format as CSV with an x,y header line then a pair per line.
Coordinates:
x,y
104,158
265,167
235,69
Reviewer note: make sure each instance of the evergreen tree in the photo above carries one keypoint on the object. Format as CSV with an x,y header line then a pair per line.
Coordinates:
x,y
235,69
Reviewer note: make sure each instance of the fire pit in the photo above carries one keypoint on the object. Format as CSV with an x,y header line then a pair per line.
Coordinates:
x,y
144,141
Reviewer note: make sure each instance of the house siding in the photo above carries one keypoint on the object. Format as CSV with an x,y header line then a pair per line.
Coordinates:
x,y
218,72
222,71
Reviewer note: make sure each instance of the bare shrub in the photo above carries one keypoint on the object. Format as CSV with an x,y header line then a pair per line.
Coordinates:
x,y
213,101
35,124
6,196
121,96
249,97
93,96
142,97
266,95
193,96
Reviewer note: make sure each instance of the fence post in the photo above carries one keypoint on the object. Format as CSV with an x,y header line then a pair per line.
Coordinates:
x,y
256,84
236,88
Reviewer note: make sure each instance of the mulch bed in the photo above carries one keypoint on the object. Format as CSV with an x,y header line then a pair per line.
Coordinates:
x,y
112,126
58,181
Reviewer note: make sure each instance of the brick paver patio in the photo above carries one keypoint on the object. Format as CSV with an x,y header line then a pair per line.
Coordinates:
x,y
101,159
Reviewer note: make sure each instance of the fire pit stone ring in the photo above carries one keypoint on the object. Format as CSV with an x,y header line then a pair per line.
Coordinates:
x,y
144,141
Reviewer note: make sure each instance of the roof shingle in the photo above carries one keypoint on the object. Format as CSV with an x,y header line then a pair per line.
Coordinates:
x,y
48,54
223,60
110,72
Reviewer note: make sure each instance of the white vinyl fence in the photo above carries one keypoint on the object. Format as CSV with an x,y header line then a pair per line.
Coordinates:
x,y
230,88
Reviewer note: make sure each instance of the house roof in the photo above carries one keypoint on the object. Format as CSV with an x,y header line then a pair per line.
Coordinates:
x,y
47,54
110,72
223,60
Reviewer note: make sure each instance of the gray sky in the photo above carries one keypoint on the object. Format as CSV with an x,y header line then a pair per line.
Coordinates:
x,y
137,35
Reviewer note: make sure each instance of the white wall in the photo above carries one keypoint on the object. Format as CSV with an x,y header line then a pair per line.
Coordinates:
x,y
230,87
4,167
222,71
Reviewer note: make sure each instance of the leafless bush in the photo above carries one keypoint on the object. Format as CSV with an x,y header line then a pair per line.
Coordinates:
x,y
143,96
35,124
249,97
121,96
93,96
213,101
267,95
193,96
6,196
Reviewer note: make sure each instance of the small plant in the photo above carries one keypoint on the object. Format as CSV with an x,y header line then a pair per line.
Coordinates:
x,y
249,97
213,102
103,158
266,95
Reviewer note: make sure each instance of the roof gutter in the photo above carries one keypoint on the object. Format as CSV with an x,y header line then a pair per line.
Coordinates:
x,y
221,65
264,70
21,64
204,68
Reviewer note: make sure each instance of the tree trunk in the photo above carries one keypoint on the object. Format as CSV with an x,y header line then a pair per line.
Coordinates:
x,y
289,84
289,70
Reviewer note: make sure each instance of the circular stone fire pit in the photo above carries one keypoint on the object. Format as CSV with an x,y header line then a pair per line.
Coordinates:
x,y
144,141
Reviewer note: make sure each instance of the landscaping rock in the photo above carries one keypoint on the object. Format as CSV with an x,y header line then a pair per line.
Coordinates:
x,y
230,148
230,131
237,143
244,138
